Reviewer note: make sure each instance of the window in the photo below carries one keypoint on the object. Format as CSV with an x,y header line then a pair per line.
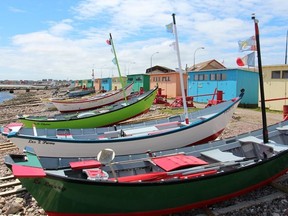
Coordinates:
x,y
212,76
275,75
206,77
224,76
201,76
218,76
165,79
285,74
196,77
130,79
138,79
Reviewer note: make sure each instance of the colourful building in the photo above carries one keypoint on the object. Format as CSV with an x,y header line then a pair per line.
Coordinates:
x,y
116,82
140,81
97,84
275,79
229,81
106,84
167,79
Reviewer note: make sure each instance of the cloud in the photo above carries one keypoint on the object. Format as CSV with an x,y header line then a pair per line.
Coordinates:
x,y
16,10
62,27
73,45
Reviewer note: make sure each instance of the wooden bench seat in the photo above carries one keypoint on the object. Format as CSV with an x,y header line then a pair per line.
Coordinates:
x,y
221,156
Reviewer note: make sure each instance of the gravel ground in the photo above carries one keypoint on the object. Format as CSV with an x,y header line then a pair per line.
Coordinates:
x,y
244,120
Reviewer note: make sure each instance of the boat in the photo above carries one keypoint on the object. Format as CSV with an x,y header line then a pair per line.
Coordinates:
x,y
108,115
157,183
153,135
80,93
92,102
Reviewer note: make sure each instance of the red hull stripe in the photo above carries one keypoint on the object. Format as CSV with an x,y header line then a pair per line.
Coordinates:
x,y
182,208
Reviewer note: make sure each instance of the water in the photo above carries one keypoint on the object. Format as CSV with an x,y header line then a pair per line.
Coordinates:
x,y
5,96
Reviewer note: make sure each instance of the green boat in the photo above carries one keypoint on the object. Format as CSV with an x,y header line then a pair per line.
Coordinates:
x,y
106,116
158,183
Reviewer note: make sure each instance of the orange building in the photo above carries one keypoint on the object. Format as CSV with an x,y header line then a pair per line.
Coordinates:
x,y
168,80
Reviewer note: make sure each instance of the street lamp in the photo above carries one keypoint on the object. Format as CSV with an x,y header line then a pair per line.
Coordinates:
x,y
195,53
151,58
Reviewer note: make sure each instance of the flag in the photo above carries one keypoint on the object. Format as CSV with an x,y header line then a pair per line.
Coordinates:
x,y
173,45
247,45
114,61
247,60
169,28
108,42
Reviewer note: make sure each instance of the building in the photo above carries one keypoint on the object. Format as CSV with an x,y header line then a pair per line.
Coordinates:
x,y
202,85
140,81
275,79
116,82
167,79
106,84
97,84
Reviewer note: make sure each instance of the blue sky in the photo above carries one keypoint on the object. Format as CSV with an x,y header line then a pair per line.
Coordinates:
x,y
64,39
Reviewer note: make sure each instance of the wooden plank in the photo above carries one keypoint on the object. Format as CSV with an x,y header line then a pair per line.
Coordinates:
x,y
9,184
7,177
14,191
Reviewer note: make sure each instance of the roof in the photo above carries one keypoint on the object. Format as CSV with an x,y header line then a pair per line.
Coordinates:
x,y
211,64
159,69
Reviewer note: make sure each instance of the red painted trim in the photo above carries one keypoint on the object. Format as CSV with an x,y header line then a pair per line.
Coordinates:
x,y
20,171
210,138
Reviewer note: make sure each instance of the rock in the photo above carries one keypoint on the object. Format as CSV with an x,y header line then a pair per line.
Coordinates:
x,y
14,208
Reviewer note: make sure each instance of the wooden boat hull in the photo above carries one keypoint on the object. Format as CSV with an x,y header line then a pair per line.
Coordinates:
x,y
125,112
76,105
69,196
200,131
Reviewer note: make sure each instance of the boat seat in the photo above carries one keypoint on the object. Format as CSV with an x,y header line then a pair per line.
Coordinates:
x,y
276,146
250,139
112,134
168,125
283,129
85,164
221,156
204,117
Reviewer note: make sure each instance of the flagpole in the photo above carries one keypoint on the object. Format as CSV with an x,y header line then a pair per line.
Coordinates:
x,y
121,80
180,71
286,47
263,108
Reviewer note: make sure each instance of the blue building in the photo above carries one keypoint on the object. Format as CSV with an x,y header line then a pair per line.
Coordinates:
x,y
106,84
229,81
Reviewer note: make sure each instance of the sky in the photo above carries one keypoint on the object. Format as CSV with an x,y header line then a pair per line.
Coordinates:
x,y
65,39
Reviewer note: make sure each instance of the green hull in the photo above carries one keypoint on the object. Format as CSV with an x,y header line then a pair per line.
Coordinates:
x,y
100,120
62,196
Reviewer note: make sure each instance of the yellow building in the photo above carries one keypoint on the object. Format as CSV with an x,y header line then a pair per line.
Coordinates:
x,y
275,79
116,83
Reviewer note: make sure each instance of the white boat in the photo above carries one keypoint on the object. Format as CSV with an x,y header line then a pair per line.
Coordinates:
x,y
91,102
